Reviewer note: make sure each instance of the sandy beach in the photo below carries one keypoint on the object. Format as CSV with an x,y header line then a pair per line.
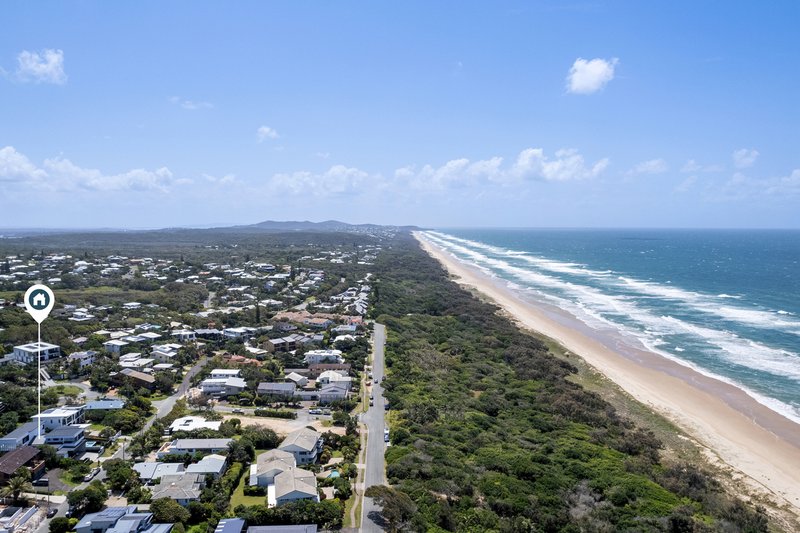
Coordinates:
x,y
747,436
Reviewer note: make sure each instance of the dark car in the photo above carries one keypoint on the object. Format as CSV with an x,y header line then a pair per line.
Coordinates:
x,y
52,512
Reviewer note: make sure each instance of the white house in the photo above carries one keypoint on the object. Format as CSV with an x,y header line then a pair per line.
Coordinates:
x,y
57,417
84,359
114,345
305,444
223,386
313,357
268,465
191,446
285,482
333,376
223,373
297,379
184,335
27,353
293,485
190,423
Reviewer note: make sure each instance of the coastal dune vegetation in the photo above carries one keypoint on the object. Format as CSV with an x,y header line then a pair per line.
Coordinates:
x,y
489,434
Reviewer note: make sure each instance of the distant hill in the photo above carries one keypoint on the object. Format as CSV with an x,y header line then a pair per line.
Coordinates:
x,y
267,226
305,225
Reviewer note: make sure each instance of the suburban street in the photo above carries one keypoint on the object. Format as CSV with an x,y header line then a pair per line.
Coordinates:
x,y
374,418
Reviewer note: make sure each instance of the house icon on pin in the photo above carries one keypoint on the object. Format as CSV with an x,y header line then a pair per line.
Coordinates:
x,y
39,300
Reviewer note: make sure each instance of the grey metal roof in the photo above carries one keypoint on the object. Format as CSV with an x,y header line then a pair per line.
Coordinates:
x,y
304,438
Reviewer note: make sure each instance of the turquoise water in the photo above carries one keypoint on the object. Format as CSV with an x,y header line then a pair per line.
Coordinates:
x,y
726,302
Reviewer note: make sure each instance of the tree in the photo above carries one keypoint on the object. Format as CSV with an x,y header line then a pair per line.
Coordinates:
x,y
20,482
59,524
398,508
241,451
120,475
88,500
167,511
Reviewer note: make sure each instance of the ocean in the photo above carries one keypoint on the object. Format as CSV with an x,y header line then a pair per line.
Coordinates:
x,y
724,302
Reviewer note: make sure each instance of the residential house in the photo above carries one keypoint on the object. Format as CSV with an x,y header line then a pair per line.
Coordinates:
x,y
315,370
336,376
319,323
230,525
211,465
57,417
332,393
278,391
105,404
293,485
24,434
135,378
183,488
184,335
28,353
239,333
25,457
268,465
297,379
221,373
120,520
277,471
84,359
69,440
305,444
191,423
223,386
114,345
313,357
192,446
152,471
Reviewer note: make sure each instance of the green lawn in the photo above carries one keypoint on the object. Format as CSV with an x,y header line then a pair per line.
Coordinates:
x,y
68,390
238,497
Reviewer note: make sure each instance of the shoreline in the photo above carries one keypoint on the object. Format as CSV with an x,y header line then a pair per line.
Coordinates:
x,y
742,433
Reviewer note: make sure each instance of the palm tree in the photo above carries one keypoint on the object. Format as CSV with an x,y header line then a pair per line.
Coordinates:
x,y
20,482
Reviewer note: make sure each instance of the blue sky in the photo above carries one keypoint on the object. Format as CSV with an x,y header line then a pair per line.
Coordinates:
x,y
588,114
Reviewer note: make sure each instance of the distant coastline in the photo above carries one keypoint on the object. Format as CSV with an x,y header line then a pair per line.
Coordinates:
x,y
743,433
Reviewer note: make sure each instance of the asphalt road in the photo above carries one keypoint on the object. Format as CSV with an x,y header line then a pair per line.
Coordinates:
x,y
374,418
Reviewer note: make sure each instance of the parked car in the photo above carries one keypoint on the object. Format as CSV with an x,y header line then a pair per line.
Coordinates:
x,y
41,482
238,411
386,435
93,472
52,512
315,411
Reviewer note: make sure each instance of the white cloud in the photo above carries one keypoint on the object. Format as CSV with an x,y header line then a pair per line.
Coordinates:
x,y
191,105
338,179
265,132
744,157
685,185
692,166
653,166
567,165
15,166
62,174
531,164
46,66
227,179
587,77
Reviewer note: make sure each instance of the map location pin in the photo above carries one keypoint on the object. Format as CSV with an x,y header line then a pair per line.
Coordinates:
x,y
39,302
